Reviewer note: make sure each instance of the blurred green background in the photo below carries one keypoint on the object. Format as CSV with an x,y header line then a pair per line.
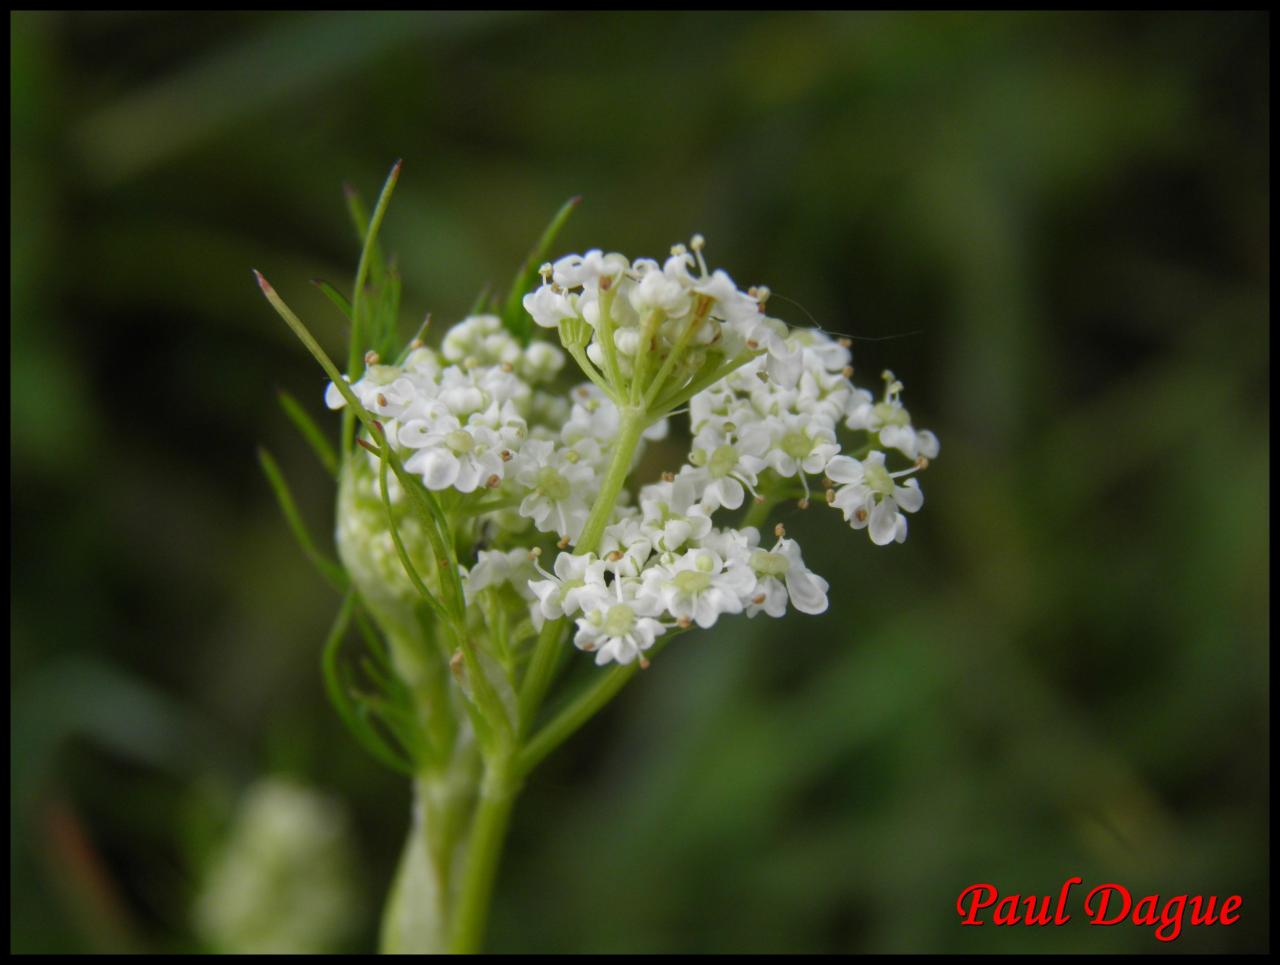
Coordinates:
x,y
1063,218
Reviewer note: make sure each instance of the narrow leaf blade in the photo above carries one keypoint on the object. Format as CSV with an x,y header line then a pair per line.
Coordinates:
x,y
514,316
310,432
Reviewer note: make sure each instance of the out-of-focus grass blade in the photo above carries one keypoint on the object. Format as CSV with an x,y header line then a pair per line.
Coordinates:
x,y
335,296
514,316
483,302
310,431
288,60
330,570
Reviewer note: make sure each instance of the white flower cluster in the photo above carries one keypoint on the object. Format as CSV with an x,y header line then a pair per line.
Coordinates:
x,y
640,310
666,566
748,423
473,419
773,415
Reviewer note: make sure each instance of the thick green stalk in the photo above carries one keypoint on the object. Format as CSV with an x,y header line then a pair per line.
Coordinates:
x,y
484,848
420,909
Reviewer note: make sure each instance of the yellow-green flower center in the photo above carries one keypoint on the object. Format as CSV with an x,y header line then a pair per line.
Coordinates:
x,y
460,442
553,485
878,480
769,564
722,462
690,582
619,621
797,444
891,415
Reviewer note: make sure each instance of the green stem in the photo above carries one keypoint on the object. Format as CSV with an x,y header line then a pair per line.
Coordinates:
x,y
488,830
759,513
631,425
648,335
590,370
580,710
683,394
420,907
542,665
677,351
606,340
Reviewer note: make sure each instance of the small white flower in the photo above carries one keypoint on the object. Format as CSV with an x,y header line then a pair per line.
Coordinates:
x,y
700,586
550,305
480,340
626,546
451,455
791,443
573,271
891,421
658,291
560,594
721,470
495,568
870,497
673,515
560,486
781,573
783,362
541,362
617,623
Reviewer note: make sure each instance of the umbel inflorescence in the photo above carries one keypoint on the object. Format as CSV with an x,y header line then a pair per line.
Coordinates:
x,y
489,512
773,413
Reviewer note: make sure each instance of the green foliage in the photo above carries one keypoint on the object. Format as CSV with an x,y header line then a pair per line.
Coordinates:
x,y
329,569
310,432
388,706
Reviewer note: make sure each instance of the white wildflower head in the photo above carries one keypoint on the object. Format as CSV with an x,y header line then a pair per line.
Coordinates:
x,y
530,466
493,507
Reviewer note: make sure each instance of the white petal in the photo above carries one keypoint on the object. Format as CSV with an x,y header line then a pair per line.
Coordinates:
x,y
884,522
928,444
468,476
844,469
333,398
908,496
415,434
438,468
808,592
